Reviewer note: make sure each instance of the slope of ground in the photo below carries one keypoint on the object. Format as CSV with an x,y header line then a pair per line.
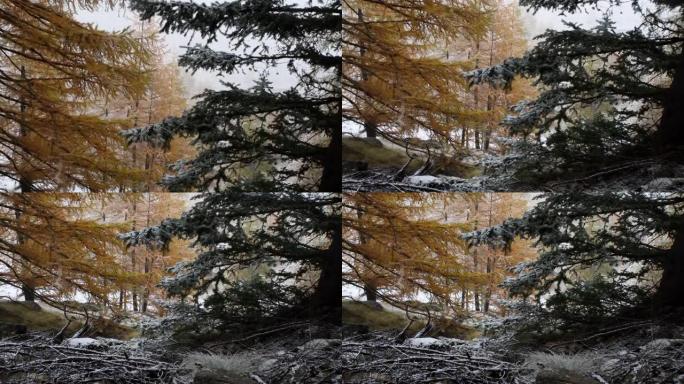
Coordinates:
x,y
377,318
381,156
22,317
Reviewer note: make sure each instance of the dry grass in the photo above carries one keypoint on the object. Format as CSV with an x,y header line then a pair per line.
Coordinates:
x,y
382,157
361,313
580,363
377,156
38,319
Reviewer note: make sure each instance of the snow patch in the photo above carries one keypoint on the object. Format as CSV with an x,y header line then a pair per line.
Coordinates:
x,y
82,342
425,342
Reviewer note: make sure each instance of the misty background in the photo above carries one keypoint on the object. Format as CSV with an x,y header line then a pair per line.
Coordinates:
x,y
535,23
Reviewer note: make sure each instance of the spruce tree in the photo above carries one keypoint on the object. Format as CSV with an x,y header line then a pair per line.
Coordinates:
x,y
296,236
257,138
611,106
638,236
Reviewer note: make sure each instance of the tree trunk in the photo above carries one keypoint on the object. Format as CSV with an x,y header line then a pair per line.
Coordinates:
x,y
371,129
331,179
476,97
490,99
370,291
134,264
670,292
328,297
25,185
146,290
488,292
671,129
488,131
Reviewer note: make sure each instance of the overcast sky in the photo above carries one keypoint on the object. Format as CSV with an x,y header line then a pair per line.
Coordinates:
x,y
623,16
535,24
119,18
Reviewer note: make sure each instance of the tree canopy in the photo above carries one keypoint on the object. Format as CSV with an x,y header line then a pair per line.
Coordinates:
x,y
296,236
396,81
256,138
610,106
53,72
637,235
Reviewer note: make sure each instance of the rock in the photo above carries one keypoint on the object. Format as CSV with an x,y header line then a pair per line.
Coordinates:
x,y
424,342
562,376
212,377
321,343
661,344
83,342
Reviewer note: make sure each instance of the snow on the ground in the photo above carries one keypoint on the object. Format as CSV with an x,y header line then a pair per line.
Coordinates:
x,y
82,342
424,342
448,183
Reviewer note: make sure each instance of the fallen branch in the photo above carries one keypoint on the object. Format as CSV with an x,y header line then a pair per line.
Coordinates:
x,y
39,360
381,360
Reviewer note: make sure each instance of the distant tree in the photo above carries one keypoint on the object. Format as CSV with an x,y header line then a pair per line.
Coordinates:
x,y
294,134
639,235
632,82
146,265
504,37
494,262
296,235
162,97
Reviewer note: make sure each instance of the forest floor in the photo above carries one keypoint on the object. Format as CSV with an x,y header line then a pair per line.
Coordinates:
x,y
38,346
626,352
372,164
373,346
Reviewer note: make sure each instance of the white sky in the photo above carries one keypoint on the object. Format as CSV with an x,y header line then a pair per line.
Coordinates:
x,y
120,18
623,16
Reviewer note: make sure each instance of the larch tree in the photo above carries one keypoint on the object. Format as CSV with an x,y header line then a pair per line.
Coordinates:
x,y
504,37
297,236
633,83
290,138
52,246
639,235
54,71
395,81
149,265
487,210
162,97
398,245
